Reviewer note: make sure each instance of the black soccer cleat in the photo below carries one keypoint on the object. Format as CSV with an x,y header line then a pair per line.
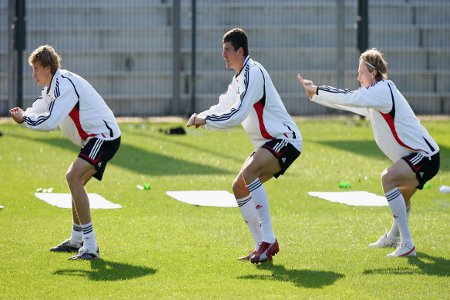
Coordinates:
x,y
85,254
66,246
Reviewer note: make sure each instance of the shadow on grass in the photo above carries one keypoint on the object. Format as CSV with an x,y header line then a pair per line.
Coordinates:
x,y
361,147
174,140
151,163
300,278
142,161
102,270
422,264
369,148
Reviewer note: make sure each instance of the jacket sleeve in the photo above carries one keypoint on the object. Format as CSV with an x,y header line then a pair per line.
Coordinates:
x,y
375,97
58,109
357,110
39,106
226,102
243,103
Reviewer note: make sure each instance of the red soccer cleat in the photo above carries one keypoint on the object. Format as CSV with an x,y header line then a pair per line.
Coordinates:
x,y
265,252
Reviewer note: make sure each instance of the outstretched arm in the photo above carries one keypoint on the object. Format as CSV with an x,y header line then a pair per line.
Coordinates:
x,y
312,92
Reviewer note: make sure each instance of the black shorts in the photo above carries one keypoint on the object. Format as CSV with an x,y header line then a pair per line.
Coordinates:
x,y
98,152
424,167
284,151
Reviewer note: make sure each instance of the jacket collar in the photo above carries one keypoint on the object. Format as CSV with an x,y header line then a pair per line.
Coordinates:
x,y
51,88
246,61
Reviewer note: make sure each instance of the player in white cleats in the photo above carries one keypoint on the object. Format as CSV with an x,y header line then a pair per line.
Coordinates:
x,y
385,242
398,133
404,250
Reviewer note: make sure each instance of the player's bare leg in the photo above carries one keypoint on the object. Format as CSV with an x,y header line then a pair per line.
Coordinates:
x,y
75,242
77,230
77,176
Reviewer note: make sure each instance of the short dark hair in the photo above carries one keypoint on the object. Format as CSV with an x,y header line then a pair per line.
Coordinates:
x,y
238,38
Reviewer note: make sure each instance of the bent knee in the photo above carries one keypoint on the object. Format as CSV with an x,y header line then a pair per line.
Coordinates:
x,y
387,180
385,176
391,180
237,186
249,174
74,175
70,175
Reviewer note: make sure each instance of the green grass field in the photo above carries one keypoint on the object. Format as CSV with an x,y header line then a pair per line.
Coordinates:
x,y
156,247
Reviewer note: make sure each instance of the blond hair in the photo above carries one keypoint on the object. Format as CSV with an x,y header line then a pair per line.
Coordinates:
x,y
47,57
374,60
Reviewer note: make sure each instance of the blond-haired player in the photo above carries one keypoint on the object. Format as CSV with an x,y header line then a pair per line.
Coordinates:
x,y
69,101
398,133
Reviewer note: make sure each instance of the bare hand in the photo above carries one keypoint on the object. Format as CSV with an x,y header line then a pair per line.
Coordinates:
x,y
308,85
196,121
17,114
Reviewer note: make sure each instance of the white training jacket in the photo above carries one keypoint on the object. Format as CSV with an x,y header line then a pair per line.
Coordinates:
x,y
396,129
251,99
73,104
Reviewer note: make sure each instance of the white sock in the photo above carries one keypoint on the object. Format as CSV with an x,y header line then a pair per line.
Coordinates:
x,y
248,211
398,209
89,241
394,233
261,202
77,234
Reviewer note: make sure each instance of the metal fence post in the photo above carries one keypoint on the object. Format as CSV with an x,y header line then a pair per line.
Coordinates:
x,y
340,63
16,45
12,77
19,46
193,55
362,26
176,109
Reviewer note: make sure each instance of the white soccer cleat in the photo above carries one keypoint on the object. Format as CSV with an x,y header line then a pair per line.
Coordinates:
x,y
403,251
385,242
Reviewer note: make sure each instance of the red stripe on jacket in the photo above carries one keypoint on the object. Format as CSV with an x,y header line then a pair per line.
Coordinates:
x,y
259,108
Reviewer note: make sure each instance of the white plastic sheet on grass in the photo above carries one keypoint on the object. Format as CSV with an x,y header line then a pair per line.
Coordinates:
x,y
64,200
205,198
353,198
